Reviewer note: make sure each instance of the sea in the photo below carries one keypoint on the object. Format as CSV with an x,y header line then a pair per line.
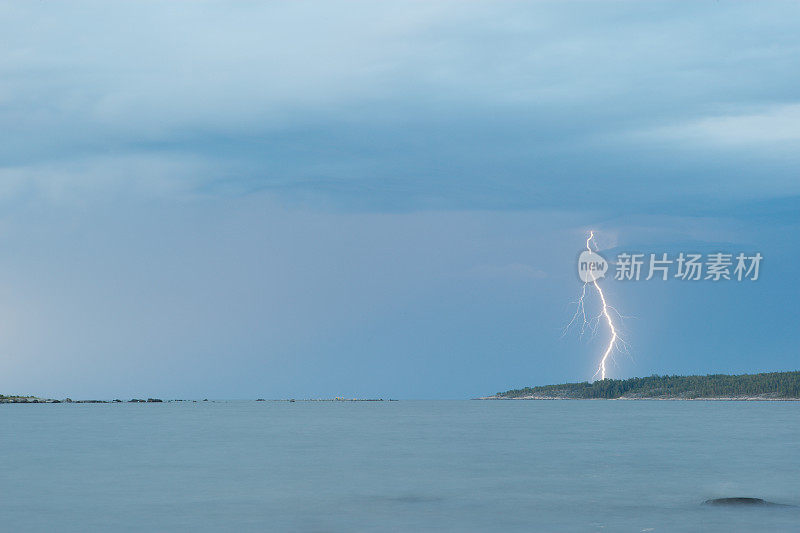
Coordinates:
x,y
416,466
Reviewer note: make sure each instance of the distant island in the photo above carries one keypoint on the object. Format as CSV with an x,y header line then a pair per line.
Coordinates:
x,y
36,399
769,386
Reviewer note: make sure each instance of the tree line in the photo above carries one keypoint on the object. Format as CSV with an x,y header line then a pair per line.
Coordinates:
x,y
768,385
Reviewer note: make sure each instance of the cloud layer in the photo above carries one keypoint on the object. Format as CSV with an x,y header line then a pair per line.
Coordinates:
x,y
387,106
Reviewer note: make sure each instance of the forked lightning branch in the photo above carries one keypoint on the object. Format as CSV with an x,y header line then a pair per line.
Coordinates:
x,y
592,267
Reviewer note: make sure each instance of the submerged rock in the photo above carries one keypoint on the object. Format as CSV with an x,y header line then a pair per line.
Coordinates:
x,y
738,501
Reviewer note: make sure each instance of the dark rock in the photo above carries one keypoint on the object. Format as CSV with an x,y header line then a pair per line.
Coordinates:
x,y
737,501
154,400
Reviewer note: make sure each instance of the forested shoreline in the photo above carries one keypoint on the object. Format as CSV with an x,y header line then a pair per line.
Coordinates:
x,y
767,386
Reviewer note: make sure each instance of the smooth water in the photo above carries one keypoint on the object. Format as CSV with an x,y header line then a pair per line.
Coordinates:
x,y
399,466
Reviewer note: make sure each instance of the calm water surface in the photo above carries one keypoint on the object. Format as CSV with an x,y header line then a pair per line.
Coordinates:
x,y
399,466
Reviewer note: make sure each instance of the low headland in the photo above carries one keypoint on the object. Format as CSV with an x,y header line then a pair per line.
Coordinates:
x,y
768,386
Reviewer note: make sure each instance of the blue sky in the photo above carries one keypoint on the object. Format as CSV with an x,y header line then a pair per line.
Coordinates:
x,y
248,199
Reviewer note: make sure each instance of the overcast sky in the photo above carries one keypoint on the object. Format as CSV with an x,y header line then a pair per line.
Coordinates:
x,y
252,199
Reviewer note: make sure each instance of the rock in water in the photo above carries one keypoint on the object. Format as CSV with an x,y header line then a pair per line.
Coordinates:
x,y
737,501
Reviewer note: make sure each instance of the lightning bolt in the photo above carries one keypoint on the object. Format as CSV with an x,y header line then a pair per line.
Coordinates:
x,y
615,343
